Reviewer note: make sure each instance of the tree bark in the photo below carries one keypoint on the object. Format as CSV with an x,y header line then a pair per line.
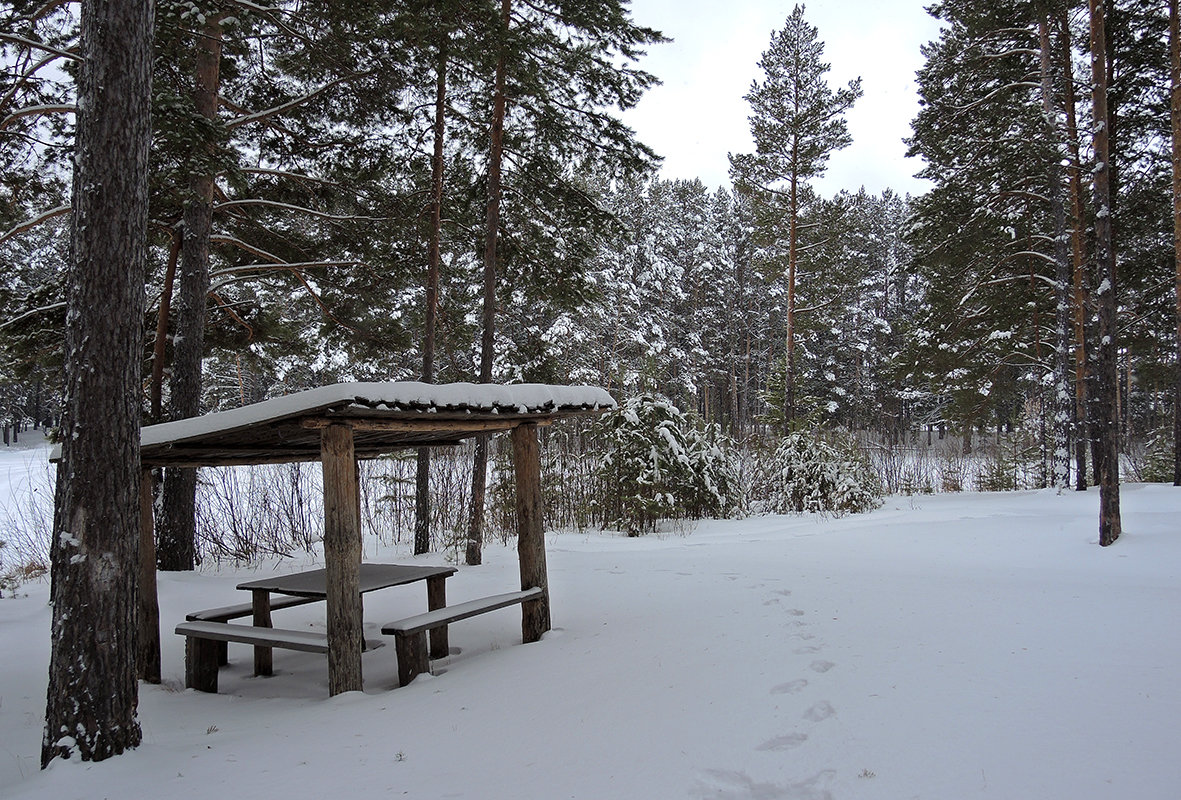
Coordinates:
x,y
789,378
176,548
422,505
1107,383
92,694
475,529
158,346
1175,124
1059,444
1078,255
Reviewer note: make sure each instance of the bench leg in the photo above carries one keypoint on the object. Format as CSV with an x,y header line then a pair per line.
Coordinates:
x,y
201,664
412,660
223,653
262,618
436,598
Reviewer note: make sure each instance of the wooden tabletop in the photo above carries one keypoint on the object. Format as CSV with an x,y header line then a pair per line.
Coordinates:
x,y
314,583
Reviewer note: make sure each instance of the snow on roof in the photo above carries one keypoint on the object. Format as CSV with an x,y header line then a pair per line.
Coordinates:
x,y
274,430
413,396
272,426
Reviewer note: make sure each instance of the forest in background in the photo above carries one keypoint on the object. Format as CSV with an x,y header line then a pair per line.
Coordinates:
x,y
322,201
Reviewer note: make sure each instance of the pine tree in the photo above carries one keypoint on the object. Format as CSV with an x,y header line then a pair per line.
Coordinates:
x,y
1107,382
92,694
797,121
1175,120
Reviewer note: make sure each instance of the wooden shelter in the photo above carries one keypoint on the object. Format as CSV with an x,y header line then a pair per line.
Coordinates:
x,y
339,424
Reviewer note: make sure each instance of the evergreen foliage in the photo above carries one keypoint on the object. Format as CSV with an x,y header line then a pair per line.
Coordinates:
x,y
657,466
815,471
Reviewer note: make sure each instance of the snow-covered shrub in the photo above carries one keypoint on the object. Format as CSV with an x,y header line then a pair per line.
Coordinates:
x,y
816,471
1153,461
658,466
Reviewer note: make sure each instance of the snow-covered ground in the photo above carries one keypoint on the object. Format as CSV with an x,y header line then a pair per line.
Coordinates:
x,y
947,646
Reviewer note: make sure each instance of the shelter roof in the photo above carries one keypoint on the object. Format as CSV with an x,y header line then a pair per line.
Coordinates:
x,y
384,417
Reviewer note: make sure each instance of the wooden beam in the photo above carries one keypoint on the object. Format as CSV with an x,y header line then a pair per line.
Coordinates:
x,y
147,614
535,614
342,559
472,426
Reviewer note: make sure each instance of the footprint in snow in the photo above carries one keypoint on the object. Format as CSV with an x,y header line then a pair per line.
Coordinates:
x,y
791,687
729,784
819,711
806,649
795,612
821,666
788,741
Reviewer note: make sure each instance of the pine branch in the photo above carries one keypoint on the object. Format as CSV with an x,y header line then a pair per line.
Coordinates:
x,y
34,110
32,312
35,45
44,216
24,78
260,116
302,209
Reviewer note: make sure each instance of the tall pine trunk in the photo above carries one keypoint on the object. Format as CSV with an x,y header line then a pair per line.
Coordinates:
x,y
789,377
92,694
1175,119
422,504
1079,289
1059,444
475,528
176,548
1107,377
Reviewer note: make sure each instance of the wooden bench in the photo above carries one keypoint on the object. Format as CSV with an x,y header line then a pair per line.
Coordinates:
x,y
409,634
204,640
227,613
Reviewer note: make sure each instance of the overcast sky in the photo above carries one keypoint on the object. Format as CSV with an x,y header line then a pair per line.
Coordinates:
x,y
698,115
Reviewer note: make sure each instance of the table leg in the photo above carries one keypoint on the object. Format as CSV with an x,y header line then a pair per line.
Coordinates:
x,y
262,619
436,597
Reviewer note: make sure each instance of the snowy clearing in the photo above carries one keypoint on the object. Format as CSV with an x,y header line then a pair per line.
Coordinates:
x,y
946,646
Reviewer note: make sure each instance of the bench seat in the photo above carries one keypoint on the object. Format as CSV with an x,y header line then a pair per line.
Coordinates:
x,y
239,610
409,639
227,613
205,638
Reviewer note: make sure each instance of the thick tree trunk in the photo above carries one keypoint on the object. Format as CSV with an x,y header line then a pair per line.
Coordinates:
x,y
1175,119
1059,444
422,505
92,695
1107,383
475,529
176,536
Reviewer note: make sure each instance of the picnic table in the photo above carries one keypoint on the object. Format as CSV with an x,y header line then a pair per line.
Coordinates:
x,y
208,632
313,584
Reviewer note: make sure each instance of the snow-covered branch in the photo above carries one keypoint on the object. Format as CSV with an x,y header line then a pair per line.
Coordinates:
x,y
31,313
301,209
35,45
44,216
260,116
30,111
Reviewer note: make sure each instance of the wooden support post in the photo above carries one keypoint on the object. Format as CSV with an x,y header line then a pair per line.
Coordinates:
x,y
436,598
147,614
200,664
412,660
535,614
342,559
263,663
